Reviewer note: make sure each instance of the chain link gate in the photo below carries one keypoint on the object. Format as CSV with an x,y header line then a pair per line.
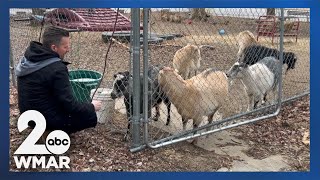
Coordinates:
x,y
166,31
216,33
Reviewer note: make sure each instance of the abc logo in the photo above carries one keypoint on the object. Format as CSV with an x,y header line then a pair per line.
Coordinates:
x,y
58,142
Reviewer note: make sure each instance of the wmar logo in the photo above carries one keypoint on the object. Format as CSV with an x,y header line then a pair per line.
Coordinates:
x,y
57,142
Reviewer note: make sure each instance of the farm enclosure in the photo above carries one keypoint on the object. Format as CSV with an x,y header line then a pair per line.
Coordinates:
x,y
89,50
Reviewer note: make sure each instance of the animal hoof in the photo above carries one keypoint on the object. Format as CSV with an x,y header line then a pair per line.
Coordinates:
x,y
190,141
195,142
126,137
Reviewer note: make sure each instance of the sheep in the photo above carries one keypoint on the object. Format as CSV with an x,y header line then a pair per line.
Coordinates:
x,y
165,15
244,39
258,79
176,18
288,26
202,95
254,53
186,61
122,86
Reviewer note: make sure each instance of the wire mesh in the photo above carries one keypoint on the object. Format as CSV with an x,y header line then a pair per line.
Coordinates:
x,y
91,32
214,32
223,37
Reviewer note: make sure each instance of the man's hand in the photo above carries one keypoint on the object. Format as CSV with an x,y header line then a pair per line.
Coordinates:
x,y
97,105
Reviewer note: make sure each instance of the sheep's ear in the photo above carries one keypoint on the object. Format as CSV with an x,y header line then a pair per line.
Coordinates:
x,y
126,73
243,65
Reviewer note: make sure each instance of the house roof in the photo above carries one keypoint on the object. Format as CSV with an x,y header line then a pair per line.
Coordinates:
x,y
88,19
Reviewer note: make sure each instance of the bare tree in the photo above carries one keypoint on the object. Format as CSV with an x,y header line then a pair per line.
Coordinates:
x,y
271,11
199,14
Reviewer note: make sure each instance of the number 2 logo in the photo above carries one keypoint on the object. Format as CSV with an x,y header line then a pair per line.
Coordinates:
x,y
29,145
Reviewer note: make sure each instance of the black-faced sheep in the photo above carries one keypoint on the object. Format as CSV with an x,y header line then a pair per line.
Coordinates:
x,y
122,86
202,95
186,61
254,53
258,79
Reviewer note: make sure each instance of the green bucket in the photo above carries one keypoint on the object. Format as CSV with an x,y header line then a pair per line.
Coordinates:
x,y
82,81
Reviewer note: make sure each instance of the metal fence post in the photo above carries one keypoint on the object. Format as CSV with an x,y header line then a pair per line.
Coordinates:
x,y
135,20
281,57
145,72
145,81
13,77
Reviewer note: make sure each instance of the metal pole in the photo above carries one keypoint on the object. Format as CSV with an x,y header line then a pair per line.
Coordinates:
x,y
281,58
162,143
145,73
13,77
145,81
131,44
135,15
149,22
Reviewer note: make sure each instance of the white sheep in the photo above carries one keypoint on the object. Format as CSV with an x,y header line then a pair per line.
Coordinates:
x,y
186,61
202,95
258,79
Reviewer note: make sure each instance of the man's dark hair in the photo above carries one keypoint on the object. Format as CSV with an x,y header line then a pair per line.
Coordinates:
x,y
53,35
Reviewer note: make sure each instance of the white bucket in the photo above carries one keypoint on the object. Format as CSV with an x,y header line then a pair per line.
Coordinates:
x,y
107,108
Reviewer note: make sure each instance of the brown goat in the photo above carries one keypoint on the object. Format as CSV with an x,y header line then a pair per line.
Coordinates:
x,y
202,95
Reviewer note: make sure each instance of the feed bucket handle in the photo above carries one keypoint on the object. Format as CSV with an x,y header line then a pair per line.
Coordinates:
x,y
92,84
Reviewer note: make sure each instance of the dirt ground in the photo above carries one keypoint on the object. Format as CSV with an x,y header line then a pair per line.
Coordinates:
x,y
101,149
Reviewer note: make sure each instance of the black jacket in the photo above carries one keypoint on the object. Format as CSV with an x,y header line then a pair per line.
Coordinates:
x,y
43,85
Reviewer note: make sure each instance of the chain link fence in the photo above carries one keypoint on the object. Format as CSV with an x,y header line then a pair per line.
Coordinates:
x,y
221,38
94,56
